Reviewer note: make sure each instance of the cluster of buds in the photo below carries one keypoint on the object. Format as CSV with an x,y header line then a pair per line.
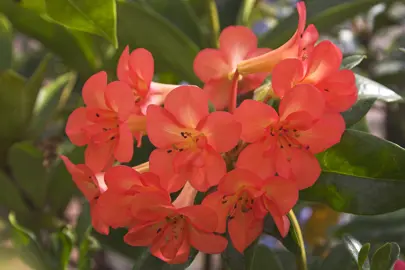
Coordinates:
x,y
248,160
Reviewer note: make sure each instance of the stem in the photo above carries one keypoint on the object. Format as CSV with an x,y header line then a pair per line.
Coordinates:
x,y
302,259
234,92
141,168
246,10
186,196
215,26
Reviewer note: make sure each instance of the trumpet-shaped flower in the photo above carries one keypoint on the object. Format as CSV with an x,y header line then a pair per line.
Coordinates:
x,y
106,124
92,188
171,231
286,144
321,69
137,69
216,67
189,140
243,199
298,46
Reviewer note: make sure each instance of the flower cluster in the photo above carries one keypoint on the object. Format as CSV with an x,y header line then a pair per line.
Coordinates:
x,y
248,161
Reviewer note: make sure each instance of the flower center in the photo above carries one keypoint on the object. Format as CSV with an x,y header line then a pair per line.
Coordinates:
x,y
243,202
172,227
191,140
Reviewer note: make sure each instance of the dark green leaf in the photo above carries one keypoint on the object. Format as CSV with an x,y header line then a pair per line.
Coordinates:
x,y
148,261
93,16
77,51
10,196
369,89
63,245
323,14
6,39
363,261
358,111
61,185
338,259
25,162
245,12
180,13
381,258
352,61
262,257
362,175
27,245
169,46
353,246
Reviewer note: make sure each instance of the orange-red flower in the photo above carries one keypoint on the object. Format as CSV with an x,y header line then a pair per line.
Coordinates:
x,y
106,123
170,232
189,140
298,46
123,184
320,69
217,67
286,144
243,198
137,69
91,187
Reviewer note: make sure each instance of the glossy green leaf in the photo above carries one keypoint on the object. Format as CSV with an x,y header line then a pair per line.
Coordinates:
x,y
352,61
339,258
48,102
171,49
10,196
381,258
38,5
323,14
6,39
363,261
353,246
77,51
262,257
371,89
93,16
61,185
25,161
181,15
27,244
363,174
358,111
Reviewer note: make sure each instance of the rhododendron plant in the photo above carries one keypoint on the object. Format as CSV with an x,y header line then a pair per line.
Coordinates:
x,y
244,162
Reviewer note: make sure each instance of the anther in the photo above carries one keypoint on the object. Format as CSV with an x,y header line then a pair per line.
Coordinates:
x,y
181,149
159,230
112,138
97,115
169,151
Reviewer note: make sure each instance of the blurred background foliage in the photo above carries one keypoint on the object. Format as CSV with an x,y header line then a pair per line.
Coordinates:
x,y
48,48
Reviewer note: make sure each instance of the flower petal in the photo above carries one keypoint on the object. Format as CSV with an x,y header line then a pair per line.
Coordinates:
x,y
255,117
141,235
219,92
96,221
201,217
75,125
207,242
188,104
221,130
285,75
236,42
237,179
122,66
282,222
121,178
282,192
221,206
124,148
324,134
211,64
99,156
243,229
93,90
151,205
119,98
141,69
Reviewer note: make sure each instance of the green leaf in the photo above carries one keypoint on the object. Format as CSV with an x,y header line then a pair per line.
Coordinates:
x,y
381,258
363,261
181,15
6,45
63,245
61,185
77,50
371,89
148,261
323,14
25,162
290,242
361,175
353,246
37,5
27,244
141,27
48,102
352,61
93,16
10,196
245,12
358,111
338,259
262,257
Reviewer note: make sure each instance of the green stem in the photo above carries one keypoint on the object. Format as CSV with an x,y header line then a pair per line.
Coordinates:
x,y
302,258
215,26
246,10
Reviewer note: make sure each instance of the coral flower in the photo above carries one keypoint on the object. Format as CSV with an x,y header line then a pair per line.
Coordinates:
x,y
105,124
170,232
286,144
217,67
189,140
298,46
322,70
123,184
241,198
91,187
137,69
